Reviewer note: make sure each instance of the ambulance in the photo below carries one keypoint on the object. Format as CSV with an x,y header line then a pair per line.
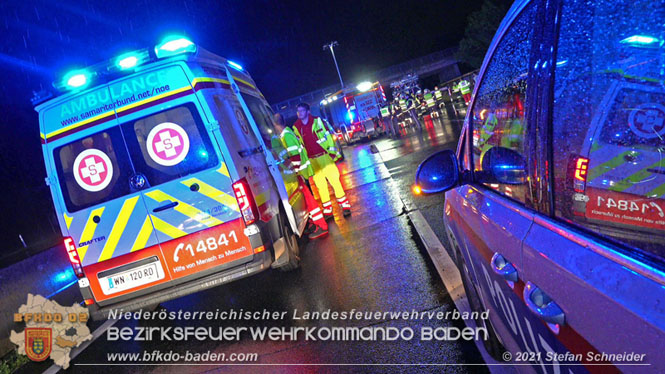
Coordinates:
x,y
162,175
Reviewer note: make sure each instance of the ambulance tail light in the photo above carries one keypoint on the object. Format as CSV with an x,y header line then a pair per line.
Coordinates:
x,y
245,201
74,257
578,169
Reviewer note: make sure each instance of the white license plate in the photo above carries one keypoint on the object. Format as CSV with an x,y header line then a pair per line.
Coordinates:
x,y
132,278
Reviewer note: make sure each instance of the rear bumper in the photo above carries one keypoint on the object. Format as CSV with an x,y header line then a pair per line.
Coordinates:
x,y
261,261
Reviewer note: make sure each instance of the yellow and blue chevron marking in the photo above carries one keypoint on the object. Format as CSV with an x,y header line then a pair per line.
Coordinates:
x,y
129,224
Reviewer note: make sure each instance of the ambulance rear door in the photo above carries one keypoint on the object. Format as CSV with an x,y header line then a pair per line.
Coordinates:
x,y
181,172
103,215
626,178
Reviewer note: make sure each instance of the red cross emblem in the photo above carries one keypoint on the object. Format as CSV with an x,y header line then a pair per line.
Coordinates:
x,y
93,170
167,144
647,120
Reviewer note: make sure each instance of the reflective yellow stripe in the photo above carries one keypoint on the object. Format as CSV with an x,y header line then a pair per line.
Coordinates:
x,y
213,193
79,124
215,80
151,99
68,220
262,198
608,165
243,81
185,209
144,235
638,177
118,228
167,228
657,192
89,231
223,170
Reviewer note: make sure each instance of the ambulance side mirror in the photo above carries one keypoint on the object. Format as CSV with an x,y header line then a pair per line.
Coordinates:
x,y
438,173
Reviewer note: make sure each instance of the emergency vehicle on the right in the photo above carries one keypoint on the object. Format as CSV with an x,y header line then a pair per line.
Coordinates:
x,y
555,202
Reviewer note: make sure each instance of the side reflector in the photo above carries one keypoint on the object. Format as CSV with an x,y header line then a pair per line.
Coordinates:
x,y
417,190
245,201
89,301
259,249
73,257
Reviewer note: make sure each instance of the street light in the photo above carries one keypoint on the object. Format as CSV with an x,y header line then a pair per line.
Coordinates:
x,y
330,46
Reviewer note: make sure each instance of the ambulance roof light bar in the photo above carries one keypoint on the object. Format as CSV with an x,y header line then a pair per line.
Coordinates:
x,y
130,60
77,79
174,45
234,65
364,86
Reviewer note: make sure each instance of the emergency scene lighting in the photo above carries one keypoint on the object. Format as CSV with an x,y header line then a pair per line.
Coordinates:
x,y
642,41
174,45
131,60
76,79
364,86
234,65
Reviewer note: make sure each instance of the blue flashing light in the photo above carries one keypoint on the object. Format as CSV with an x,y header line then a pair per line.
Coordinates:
x,y
640,40
174,45
127,61
76,79
203,153
234,65
561,63
350,115
63,276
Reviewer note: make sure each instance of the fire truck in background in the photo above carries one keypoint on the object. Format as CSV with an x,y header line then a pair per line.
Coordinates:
x,y
354,112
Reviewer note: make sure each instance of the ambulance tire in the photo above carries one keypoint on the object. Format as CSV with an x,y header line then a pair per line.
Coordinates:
x,y
292,248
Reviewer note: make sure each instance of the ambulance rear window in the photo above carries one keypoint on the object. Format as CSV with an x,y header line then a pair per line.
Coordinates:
x,y
169,144
635,120
93,169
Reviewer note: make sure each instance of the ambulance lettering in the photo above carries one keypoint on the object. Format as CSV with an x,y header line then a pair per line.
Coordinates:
x,y
102,96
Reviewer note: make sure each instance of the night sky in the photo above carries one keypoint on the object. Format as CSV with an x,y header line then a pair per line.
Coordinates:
x,y
279,43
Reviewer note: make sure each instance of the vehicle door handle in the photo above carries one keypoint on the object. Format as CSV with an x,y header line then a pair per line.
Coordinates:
x,y
169,205
502,267
542,305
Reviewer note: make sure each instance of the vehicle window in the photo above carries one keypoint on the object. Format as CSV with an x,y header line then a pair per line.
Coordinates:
x,y
169,144
261,116
609,121
93,170
498,112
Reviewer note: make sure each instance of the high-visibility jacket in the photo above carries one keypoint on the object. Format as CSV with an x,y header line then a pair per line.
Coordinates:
x,y
429,99
323,136
512,138
438,94
464,87
486,133
289,147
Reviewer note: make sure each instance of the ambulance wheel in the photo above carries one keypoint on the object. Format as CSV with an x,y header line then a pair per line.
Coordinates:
x,y
292,249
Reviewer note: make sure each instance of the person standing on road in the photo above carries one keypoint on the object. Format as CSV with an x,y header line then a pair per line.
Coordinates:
x,y
386,115
320,147
411,107
293,157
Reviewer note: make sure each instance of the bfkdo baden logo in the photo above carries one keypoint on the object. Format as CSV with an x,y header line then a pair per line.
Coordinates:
x,y
38,343
51,330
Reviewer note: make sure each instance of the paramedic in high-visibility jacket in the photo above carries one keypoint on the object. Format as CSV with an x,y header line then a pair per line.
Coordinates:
x,y
320,147
293,159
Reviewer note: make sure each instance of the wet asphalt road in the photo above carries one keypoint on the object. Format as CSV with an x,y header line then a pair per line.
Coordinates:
x,y
371,261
